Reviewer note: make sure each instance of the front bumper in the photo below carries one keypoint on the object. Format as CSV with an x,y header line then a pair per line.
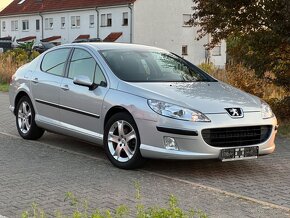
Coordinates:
x,y
194,146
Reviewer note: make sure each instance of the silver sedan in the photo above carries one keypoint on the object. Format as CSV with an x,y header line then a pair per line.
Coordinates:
x,y
139,102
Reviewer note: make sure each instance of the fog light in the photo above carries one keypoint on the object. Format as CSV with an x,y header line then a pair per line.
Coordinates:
x,y
170,143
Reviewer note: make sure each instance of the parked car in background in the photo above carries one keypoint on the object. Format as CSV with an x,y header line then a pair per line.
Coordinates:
x,y
87,40
43,46
5,43
139,102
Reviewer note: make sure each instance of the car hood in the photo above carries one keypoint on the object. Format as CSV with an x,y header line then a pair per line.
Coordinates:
x,y
207,97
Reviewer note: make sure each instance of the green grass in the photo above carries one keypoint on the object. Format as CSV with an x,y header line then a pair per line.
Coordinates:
x,y
4,87
80,210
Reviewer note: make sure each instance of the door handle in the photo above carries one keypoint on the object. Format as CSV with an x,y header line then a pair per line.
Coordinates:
x,y
65,87
35,80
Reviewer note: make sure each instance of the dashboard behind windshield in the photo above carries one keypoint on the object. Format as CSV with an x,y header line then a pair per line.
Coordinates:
x,y
152,66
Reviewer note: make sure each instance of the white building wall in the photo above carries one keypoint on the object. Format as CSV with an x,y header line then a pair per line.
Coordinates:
x,y
160,23
155,23
20,33
117,23
69,34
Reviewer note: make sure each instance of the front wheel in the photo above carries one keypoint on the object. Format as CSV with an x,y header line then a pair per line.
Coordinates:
x,y
122,142
25,120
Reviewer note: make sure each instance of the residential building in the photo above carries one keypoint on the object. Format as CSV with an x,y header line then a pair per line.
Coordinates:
x,y
161,23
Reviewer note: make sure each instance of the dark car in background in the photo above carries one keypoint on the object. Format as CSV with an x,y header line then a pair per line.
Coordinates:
x,y
87,40
43,46
5,43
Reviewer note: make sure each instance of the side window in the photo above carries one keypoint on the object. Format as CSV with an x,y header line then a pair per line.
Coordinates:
x,y
99,77
82,63
54,62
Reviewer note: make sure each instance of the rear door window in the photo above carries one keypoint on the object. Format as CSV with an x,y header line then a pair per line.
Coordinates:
x,y
54,61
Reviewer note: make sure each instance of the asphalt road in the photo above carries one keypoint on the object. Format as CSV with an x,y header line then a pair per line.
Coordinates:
x,y
43,171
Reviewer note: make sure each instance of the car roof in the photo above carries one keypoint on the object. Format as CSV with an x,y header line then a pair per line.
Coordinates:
x,y
111,46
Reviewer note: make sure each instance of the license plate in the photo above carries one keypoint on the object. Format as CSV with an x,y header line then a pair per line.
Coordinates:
x,y
232,154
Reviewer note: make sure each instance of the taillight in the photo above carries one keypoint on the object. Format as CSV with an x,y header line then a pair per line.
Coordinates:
x,y
11,79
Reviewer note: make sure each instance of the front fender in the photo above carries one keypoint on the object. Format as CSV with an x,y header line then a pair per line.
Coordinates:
x,y
135,105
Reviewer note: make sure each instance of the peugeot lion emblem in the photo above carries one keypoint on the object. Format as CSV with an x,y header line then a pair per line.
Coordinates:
x,y
235,112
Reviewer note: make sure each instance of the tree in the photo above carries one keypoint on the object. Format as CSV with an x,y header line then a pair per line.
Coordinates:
x,y
257,31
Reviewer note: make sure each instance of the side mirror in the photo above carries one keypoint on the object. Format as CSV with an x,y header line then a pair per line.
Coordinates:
x,y
84,81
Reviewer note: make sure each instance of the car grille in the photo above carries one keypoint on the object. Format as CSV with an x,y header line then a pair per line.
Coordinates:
x,y
236,136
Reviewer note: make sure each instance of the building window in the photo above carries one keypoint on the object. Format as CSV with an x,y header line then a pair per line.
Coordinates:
x,y
3,25
62,22
37,25
25,25
48,23
186,19
75,21
184,50
103,20
14,25
92,21
125,19
216,51
78,21
109,19
106,20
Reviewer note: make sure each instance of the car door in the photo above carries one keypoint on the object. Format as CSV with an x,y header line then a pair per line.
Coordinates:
x,y
81,107
45,85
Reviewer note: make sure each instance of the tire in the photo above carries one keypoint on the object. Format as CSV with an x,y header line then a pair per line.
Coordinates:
x,y
122,142
25,120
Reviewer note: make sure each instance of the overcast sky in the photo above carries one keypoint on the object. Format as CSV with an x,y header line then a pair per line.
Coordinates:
x,y
4,3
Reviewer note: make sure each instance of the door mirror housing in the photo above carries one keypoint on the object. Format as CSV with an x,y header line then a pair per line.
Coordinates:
x,y
84,81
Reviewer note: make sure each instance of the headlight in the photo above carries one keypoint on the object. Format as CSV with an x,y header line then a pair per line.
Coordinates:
x,y
176,112
266,110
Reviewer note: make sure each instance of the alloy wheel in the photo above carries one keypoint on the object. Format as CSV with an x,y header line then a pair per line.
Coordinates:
x,y
24,117
122,141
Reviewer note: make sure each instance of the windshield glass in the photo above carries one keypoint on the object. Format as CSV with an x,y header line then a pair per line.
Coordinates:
x,y
152,66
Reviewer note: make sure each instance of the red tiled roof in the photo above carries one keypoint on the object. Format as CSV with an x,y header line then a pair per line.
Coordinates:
x,y
112,37
52,38
33,6
25,39
83,37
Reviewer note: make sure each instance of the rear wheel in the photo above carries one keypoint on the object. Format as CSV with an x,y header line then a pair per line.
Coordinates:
x,y
25,120
122,142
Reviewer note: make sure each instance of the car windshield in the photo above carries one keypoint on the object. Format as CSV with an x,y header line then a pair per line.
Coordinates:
x,y
152,66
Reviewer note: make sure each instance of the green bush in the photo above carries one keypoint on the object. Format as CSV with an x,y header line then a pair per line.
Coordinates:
x,y
11,60
281,108
208,67
21,56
